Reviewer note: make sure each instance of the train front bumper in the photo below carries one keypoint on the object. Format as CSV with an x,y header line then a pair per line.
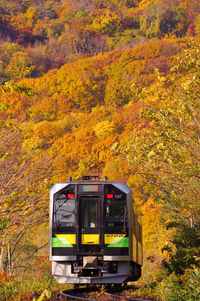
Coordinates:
x,y
87,280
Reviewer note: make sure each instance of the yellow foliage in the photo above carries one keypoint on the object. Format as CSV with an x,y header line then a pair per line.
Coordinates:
x,y
28,18
45,109
40,136
104,128
144,3
105,21
155,234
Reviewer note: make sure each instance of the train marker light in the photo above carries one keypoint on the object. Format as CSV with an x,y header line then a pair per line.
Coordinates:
x,y
109,196
70,196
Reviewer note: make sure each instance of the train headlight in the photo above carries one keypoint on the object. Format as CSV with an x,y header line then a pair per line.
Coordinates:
x,y
75,267
113,268
105,267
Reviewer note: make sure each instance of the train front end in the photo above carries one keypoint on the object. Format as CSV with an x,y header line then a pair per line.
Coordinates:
x,y
92,239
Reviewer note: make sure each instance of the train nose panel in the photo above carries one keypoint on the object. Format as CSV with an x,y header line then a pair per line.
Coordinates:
x,y
90,262
90,239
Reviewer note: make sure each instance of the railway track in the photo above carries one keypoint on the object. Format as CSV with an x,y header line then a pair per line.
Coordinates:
x,y
94,295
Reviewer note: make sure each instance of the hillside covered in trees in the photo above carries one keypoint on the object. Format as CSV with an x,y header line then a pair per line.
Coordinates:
x,y
110,88
39,35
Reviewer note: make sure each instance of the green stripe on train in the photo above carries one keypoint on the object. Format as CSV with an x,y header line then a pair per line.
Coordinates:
x,y
60,243
119,243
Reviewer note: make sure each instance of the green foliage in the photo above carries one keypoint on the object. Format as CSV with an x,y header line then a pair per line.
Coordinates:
x,y
111,4
185,288
81,14
4,224
9,289
197,28
149,23
179,13
11,86
160,20
37,278
187,243
19,66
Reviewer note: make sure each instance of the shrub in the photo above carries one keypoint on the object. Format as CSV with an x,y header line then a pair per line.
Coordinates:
x,y
9,289
185,288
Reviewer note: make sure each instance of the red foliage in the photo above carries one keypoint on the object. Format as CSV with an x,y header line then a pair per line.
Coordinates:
x,y
3,277
10,31
26,37
191,30
128,22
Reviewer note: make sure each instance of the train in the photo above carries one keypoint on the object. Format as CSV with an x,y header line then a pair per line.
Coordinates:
x,y
95,233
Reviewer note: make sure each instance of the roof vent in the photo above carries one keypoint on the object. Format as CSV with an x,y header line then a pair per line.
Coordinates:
x,y
88,178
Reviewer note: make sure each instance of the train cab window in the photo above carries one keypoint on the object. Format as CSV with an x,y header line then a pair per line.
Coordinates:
x,y
116,213
64,212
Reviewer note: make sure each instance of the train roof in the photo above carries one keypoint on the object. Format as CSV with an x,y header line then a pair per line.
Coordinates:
x,y
91,182
119,185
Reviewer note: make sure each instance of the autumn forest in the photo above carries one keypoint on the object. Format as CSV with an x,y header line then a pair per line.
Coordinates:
x,y
109,88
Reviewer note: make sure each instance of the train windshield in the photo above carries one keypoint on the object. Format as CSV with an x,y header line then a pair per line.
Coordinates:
x,y
116,213
64,212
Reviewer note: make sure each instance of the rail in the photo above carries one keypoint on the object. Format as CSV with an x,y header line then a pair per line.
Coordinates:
x,y
94,295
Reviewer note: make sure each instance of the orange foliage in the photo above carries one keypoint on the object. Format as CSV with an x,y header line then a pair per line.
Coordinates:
x,y
15,104
69,119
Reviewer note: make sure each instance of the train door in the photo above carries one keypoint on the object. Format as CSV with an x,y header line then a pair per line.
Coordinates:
x,y
89,224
